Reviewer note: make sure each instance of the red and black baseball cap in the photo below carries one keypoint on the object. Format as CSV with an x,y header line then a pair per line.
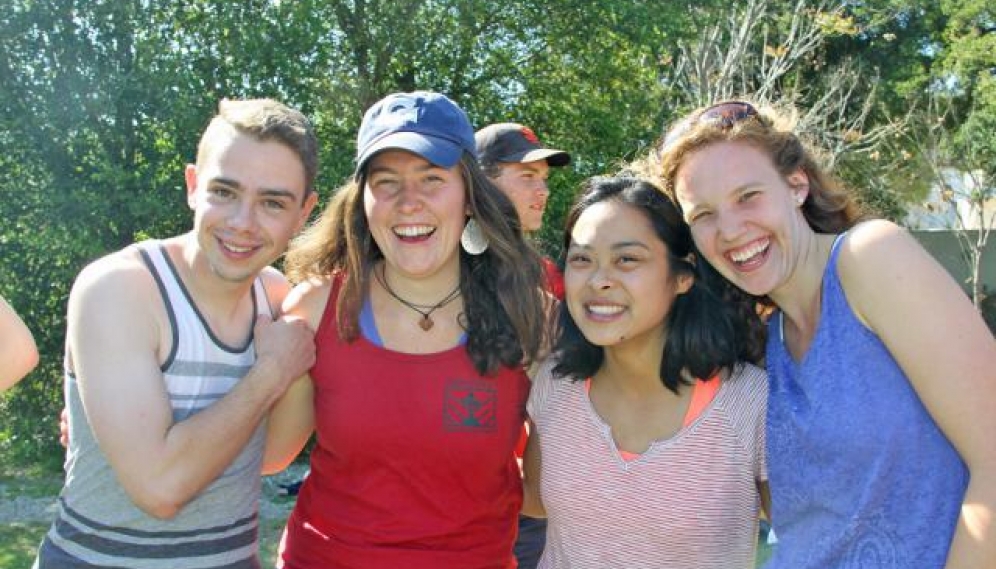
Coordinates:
x,y
511,142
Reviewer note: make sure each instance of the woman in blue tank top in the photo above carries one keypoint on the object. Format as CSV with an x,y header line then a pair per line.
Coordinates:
x,y
882,402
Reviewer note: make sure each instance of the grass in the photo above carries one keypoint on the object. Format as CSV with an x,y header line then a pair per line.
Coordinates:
x,y
19,540
18,543
269,540
763,553
30,483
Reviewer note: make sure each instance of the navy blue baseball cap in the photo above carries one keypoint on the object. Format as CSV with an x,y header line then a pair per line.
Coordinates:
x,y
425,123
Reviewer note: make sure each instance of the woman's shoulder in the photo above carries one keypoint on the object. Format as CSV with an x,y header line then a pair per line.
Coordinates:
x,y
307,300
748,373
875,264
873,244
541,372
744,400
545,370
547,385
748,382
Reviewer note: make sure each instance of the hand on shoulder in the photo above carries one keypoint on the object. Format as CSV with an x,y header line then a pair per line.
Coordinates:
x,y
287,345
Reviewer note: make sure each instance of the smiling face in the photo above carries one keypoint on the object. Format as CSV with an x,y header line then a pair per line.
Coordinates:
x,y
248,198
416,212
744,214
619,283
525,185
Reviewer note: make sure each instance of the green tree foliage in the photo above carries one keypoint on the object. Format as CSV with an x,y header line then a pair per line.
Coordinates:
x,y
102,101
100,105
968,75
958,119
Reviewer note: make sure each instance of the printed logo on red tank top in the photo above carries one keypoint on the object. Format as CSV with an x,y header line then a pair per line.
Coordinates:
x,y
470,405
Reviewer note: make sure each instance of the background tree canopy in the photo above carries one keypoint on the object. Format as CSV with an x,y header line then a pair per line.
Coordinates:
x,y
101,104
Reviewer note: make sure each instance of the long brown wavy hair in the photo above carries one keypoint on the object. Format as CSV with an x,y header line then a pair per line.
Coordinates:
x,y
504,304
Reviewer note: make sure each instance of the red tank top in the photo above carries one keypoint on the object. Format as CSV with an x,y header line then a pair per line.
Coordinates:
x,y
413,464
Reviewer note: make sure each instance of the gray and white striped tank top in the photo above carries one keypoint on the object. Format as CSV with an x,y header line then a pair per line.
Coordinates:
x,y
97,525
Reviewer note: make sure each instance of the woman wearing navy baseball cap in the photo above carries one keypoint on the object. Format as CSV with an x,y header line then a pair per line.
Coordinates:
x,y
427,303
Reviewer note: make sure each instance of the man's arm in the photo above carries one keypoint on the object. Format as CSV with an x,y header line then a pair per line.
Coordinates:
x,y
113,338
18,353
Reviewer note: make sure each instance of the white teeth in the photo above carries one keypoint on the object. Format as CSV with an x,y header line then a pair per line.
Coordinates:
x,y
414,230
744,255
236,249
604,310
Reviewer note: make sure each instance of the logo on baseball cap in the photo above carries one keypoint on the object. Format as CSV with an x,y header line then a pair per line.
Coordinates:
x,y
511,142
425,123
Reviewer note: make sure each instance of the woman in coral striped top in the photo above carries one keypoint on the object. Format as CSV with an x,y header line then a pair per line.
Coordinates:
x,y
649,419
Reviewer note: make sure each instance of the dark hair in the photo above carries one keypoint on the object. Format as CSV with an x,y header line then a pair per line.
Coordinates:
x,y
704,334
504,306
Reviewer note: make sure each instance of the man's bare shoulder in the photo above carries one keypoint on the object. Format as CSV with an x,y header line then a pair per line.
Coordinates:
x,y
115,301
118,288
120,269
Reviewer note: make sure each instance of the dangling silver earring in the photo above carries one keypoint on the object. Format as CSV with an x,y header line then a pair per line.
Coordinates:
x,y
473,239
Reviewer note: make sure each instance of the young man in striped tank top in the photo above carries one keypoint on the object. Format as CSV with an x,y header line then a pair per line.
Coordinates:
x,y
173,360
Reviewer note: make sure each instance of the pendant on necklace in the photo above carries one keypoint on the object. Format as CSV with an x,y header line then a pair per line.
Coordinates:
x,y
426,323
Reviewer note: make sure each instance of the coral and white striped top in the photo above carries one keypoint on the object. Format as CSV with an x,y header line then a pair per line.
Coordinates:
x,y
688,501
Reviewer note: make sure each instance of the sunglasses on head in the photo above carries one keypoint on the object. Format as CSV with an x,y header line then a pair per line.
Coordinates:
x,y
722,115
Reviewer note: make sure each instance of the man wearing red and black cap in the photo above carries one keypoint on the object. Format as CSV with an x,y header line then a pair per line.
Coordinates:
x,y
513,157
515,160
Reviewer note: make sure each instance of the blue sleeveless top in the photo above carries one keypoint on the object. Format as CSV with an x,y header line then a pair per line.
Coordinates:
x,y
860,475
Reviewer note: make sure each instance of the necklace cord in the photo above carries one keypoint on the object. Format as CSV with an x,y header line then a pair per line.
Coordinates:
x,y
425,310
